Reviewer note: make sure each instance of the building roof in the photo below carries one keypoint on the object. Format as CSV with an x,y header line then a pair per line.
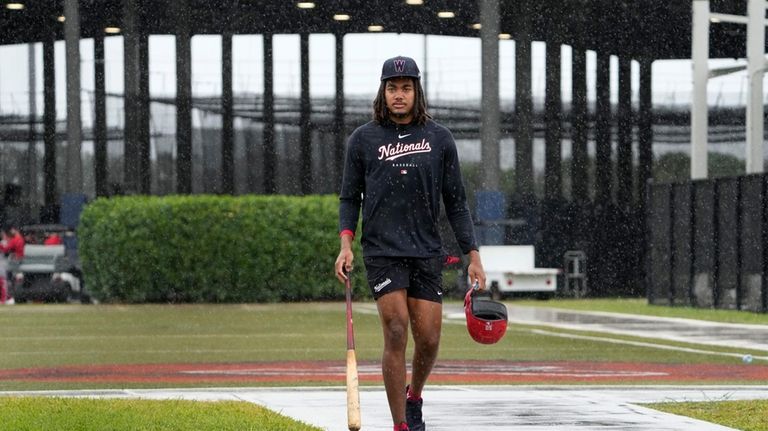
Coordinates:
x,y
659,29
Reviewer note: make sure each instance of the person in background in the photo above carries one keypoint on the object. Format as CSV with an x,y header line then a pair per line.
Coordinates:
x,y
3,269
11,247
53,238
13,243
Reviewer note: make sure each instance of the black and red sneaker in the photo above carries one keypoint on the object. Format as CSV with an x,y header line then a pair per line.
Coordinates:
x,y
402,427
413,413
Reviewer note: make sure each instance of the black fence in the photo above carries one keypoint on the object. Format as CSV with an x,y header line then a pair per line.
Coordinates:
x,y
610,238
707,243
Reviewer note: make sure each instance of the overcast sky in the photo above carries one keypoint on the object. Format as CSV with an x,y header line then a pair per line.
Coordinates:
x,y
452,69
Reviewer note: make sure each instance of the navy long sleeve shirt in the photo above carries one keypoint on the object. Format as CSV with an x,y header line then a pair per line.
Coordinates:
x,y
398,174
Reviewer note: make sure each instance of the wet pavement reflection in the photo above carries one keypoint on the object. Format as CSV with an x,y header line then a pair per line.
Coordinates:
x,y
674,329
494,408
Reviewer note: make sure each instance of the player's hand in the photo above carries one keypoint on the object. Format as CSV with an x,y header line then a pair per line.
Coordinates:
x,y
344,264
475,271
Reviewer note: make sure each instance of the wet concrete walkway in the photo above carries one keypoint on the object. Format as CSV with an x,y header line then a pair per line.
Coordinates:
x,y
451,408
754,337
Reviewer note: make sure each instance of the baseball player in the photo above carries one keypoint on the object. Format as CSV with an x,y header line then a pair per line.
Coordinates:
x,y
398,169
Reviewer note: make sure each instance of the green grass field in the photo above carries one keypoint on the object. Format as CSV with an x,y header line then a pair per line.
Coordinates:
x,y
741,415
85,414
39,335
55,335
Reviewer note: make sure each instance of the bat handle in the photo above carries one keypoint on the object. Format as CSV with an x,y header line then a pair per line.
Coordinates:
x,y
350,330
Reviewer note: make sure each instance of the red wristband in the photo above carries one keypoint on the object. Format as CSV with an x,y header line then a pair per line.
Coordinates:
x,y
347,232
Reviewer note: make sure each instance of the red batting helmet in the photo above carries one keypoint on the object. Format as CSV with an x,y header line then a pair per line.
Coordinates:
x,y
486,318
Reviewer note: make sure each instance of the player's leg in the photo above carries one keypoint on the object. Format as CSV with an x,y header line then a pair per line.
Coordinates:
x,y
389,279
393,312
425,310
426,323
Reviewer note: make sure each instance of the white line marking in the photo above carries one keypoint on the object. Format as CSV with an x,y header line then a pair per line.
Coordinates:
x,y
641,344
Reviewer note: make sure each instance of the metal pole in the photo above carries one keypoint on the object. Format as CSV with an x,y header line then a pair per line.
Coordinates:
x,y
100,120
699,119
603,150
132,91
645,129
305,138
183,98
227,117
338,114
50,187
31,173
523,118
489,143
144,111
579,176
755,69
74,168
553,107
624,134
268,137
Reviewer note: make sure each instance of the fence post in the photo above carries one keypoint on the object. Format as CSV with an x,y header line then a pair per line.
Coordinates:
x,y
739,242
692,245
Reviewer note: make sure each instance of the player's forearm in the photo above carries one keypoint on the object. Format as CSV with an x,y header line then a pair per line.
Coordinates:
x,y
474,257
346,241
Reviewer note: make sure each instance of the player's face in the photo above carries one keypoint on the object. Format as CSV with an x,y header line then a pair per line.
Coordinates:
x,y
400,95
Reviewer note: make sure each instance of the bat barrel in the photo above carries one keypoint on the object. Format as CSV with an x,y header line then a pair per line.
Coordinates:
x,y
353,391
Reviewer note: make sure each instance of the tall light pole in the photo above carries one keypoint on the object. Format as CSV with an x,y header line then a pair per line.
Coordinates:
x,y
756,67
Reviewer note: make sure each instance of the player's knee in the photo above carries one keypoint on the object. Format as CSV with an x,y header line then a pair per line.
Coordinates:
x,y
429,343
396,334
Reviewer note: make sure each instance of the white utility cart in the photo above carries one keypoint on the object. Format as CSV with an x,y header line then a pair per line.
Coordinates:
x,y
512,268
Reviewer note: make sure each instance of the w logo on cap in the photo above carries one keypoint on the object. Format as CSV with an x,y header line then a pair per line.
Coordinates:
x,y
398,67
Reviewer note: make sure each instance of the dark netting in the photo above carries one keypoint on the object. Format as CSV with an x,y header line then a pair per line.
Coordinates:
x,y
658,233
751,253
727,243
614,252
706,243
681,244
702,285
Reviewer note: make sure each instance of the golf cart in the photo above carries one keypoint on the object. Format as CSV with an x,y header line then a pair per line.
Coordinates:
x,y
50,270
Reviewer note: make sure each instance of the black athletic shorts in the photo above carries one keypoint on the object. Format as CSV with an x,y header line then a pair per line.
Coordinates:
x,y
421,277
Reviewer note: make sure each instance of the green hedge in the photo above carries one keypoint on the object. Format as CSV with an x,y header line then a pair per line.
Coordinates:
x,y
205,248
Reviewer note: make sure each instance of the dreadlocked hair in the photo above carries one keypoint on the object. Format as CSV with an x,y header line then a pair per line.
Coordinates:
x,y
381,112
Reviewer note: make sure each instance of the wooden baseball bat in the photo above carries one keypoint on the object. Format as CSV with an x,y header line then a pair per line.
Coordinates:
x,y
353,390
